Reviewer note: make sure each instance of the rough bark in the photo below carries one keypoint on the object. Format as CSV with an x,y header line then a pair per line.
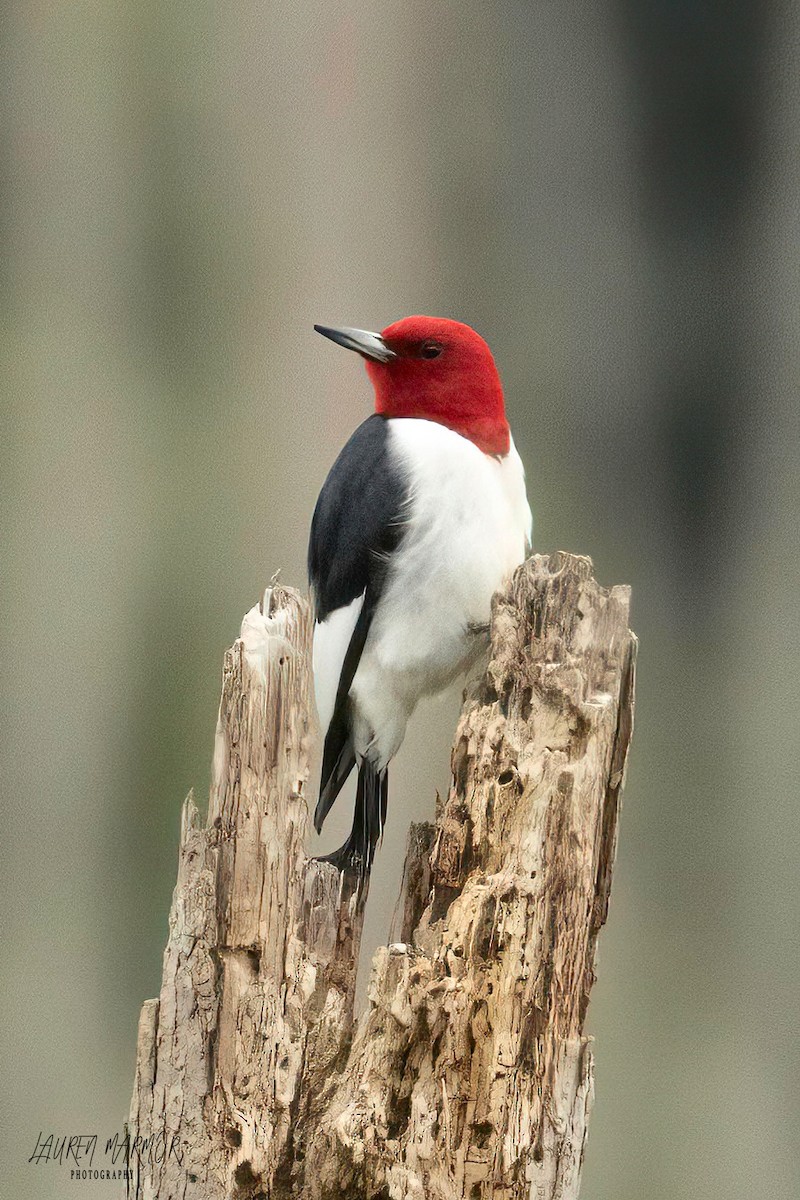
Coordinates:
x,y
468,1075
257,994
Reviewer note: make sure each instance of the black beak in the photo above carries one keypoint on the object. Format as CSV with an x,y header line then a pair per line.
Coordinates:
x,y
370,345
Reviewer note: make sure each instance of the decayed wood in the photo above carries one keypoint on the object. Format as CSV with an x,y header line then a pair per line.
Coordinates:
x,y
468,1075
257,994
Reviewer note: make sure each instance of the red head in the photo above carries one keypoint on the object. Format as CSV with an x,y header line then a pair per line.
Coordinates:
x,y
437,369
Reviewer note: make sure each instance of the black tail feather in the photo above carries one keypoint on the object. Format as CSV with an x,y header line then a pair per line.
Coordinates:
x,y
338,755
335,773
384,797
369,817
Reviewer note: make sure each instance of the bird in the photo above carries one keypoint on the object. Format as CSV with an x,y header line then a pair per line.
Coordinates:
x,y
422,518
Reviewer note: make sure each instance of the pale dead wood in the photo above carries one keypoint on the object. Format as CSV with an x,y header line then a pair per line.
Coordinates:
x,y
257,994
469,1075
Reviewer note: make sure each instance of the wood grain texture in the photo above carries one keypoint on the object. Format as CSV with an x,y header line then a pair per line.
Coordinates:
x,y
257,994
468,1075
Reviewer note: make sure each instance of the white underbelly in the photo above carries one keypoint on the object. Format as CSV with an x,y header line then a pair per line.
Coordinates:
x,y
469,526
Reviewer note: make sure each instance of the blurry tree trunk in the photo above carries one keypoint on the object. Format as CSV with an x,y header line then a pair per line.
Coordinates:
x,y
468,1075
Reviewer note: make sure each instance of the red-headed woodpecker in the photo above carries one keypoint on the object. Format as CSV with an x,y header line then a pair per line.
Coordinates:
x,y
421,519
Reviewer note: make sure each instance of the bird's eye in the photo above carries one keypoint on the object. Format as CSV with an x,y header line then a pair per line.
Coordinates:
x,y
430,350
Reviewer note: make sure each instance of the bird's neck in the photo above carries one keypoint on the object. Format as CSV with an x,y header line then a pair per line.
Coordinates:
x,y
475,410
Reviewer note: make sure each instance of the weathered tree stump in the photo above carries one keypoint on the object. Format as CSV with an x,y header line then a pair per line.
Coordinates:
x,y
468,1075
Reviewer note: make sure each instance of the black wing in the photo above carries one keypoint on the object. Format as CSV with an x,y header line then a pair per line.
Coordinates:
x,y
358,523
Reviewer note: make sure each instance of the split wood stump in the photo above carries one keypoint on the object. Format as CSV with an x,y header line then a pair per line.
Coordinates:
x,y
468,1075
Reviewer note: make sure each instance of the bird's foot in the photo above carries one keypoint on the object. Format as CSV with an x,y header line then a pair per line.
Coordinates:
x,y
348,859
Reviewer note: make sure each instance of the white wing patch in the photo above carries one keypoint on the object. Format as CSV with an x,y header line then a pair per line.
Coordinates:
x,y
331,639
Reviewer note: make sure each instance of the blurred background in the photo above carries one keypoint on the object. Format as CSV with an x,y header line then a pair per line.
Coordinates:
x,y
610,194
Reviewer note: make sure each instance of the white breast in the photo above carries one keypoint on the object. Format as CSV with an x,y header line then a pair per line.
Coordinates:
x,y
469,527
